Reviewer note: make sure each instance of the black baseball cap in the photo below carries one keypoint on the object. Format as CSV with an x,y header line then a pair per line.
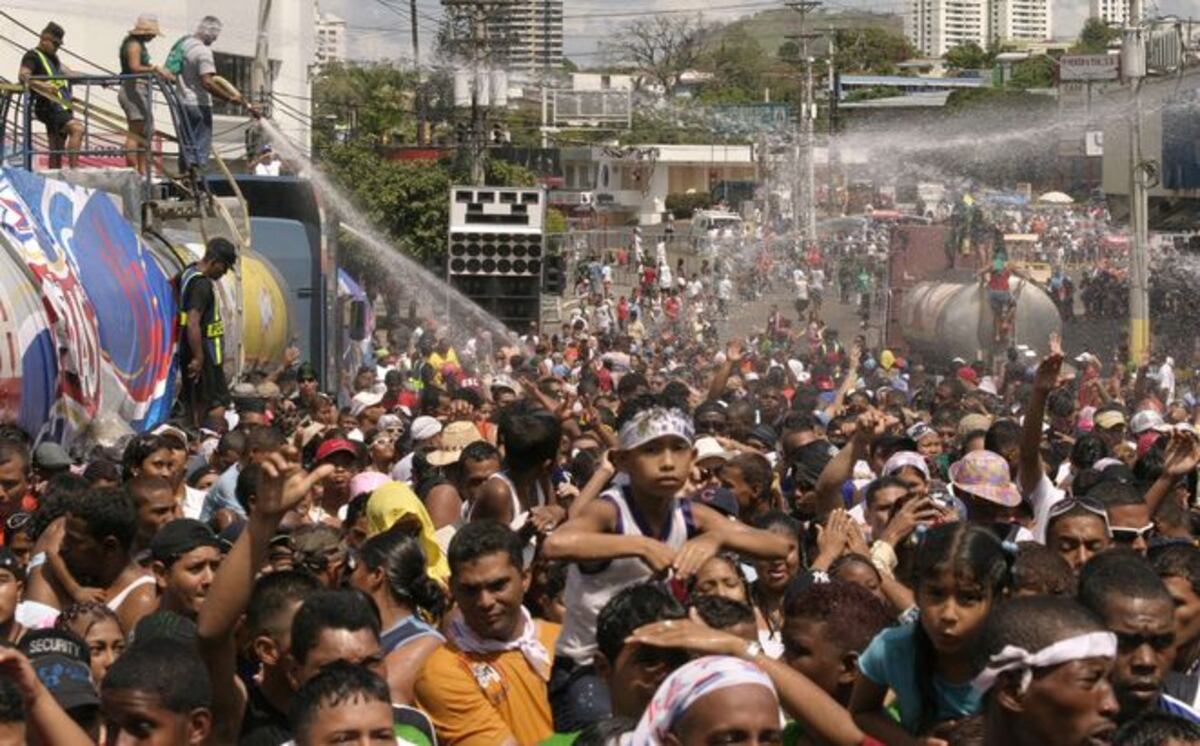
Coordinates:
x,y
63,664
223,250
720,499
179,537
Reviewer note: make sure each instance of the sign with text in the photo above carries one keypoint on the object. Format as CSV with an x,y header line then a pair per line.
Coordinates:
x,y
1089,67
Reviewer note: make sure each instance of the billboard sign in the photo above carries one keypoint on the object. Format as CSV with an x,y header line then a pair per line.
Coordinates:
x,y
1089,67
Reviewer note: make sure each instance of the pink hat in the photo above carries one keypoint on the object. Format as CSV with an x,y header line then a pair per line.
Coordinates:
x,y
985,475
367,481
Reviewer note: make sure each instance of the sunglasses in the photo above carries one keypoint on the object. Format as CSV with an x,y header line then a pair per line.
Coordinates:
x,y
1127,535
17,521
1066,506
1132,641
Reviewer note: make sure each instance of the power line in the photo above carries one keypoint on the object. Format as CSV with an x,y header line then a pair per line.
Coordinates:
x,y
676,11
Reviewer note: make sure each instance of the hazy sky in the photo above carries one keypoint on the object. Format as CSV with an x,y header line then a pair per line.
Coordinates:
x,y
380,28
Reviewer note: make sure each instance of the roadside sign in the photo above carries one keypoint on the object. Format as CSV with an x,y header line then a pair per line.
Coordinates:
x,y
1088,67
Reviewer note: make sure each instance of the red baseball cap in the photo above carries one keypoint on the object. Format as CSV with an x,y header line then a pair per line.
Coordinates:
x,y
968,374
335,445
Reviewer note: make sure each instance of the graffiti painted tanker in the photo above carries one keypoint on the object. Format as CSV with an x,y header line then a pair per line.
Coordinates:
x,y
89,319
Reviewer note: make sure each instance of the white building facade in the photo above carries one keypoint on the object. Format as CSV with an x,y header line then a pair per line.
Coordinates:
x,y
528,36
330,39
935,26
94,32
1024,20
1112,12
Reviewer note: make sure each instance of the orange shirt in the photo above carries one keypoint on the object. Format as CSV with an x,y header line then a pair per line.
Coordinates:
x,y
483,700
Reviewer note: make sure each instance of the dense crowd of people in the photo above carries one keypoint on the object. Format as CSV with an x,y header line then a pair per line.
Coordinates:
x,y
602,536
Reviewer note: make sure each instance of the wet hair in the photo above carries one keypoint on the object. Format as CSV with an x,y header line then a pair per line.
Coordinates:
x,y
139,449
62,492
1177,561
850,558
719,612
481,538
1150,466
974,555
248,481
173,672
530,436
403,563
774,519
338,683
630,383
548,583
1032,623
102,469
273,594
858,615
11,449
234,440
264,438
633,607
1156,729
734,562
144,484
1116,494
480,450
108,512
194,478
333,609
87,613
1039,566
430,397
1088,449
1002,436
356,508
882,483
1119,572
756,470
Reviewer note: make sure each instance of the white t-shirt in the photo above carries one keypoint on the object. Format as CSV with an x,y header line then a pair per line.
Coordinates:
x,y
1044,497
801,287
197,62
271,168
193,502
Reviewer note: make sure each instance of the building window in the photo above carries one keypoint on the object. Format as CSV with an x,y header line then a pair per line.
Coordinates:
x,y
237,69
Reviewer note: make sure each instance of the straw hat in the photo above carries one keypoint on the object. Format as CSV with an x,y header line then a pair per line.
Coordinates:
x,y
455,437
147,25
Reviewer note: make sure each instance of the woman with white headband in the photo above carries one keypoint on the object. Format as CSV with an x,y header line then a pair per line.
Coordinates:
x,y
1044,679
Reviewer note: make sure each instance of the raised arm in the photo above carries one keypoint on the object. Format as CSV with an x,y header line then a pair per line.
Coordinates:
x,y
282,487
1029,464
841,467
733,356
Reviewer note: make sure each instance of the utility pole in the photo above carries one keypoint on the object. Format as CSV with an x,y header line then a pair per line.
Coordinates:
x,y
831,140
1142,176
420,97
477,18
804,190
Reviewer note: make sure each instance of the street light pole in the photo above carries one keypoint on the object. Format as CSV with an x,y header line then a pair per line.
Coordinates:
x,y
1133,62
804,214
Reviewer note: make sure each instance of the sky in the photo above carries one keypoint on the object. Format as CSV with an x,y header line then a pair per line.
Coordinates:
x,y
380,29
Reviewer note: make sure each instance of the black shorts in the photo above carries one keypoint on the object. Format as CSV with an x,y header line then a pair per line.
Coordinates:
x,y
55,118
208,390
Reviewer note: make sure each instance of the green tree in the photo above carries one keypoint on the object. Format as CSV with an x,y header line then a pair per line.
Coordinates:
x,y
1095,37
871,50
1035,72
374,100
738,65
968,56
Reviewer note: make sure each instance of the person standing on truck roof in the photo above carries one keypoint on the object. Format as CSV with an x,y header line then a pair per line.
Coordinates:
x,y
197,86
52,97
202,332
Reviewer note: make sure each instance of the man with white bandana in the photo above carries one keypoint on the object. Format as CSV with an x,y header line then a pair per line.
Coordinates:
x,y
486,686
1044,681
637,529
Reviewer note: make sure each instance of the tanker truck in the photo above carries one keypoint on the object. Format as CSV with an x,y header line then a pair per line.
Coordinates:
x,y
937,306
943,320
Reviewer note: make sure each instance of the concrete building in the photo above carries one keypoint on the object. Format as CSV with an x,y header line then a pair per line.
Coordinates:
x,y
528,36
94,32
1014,20
331,38
935,26
1112,12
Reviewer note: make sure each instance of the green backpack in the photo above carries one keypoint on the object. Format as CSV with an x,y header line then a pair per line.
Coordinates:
x,y
174,63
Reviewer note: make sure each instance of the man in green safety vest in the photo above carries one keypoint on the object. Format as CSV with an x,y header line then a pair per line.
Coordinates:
x,y
51,98
205,391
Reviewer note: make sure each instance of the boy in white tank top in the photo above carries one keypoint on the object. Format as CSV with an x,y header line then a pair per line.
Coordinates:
x,y
630,534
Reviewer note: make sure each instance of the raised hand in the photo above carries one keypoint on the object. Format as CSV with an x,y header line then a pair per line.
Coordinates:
x,y
285,485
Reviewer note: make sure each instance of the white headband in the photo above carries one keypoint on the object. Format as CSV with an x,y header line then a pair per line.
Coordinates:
x,y
1012,658
654,423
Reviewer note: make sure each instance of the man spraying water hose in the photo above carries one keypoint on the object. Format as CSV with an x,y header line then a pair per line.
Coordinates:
x,y
198,83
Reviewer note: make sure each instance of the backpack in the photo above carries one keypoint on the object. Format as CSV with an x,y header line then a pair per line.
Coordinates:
x,y
174,63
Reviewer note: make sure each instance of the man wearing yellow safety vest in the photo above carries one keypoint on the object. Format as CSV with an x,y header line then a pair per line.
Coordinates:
x,y
51,99
202,329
